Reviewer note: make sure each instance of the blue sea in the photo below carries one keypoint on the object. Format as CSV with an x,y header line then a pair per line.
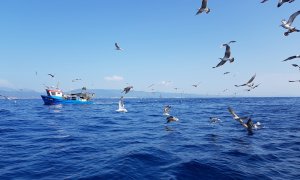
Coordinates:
x,y
96,142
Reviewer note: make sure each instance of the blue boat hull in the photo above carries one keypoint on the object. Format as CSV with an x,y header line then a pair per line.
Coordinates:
x,y
50,100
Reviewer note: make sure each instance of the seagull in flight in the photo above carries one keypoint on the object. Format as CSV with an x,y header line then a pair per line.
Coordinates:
x,y
296,65
247,83
225,90
127,89
196,85
118,47
295,81
236,117
77,79
226,73
150,85
51,75
281,2
288,24
203,8
292,57
253,87
226,55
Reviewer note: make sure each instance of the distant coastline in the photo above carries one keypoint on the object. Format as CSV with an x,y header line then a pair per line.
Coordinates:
x,y
115,93
99,93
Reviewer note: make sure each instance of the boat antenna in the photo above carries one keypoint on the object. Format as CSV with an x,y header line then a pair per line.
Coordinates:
x,y
57,85
46,86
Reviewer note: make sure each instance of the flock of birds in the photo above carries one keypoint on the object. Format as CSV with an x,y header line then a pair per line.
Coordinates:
x,y
249,125
250,85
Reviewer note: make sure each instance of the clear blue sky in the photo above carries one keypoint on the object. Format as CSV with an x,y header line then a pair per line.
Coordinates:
x,y
163,40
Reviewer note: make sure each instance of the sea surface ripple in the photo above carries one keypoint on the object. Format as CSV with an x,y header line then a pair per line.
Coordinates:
x,y
96,142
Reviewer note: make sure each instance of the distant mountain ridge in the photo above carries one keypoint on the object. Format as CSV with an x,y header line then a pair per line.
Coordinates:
x,y
113,93
20,94
99,93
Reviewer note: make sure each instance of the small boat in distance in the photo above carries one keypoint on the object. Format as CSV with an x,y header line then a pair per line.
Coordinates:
x,y
56,96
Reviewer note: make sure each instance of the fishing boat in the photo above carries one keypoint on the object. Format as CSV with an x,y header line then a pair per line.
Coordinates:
x,y
56,96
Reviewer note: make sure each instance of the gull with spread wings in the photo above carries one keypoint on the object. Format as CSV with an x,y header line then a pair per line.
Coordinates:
x,y
288,24
236,117
292,57
203,8
227,55
249,83
280,2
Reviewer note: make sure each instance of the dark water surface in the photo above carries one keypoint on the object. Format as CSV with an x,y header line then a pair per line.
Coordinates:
x,y
95,142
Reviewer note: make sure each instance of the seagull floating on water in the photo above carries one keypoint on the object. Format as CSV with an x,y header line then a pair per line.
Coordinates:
x,y
167,110
203,8
226,55
288,24
171,119
292,57
247,83
214,120
281,2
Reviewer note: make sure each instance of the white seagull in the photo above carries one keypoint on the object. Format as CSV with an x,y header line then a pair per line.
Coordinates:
x,y
226,55
167,110
288,24
236,117
203,8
